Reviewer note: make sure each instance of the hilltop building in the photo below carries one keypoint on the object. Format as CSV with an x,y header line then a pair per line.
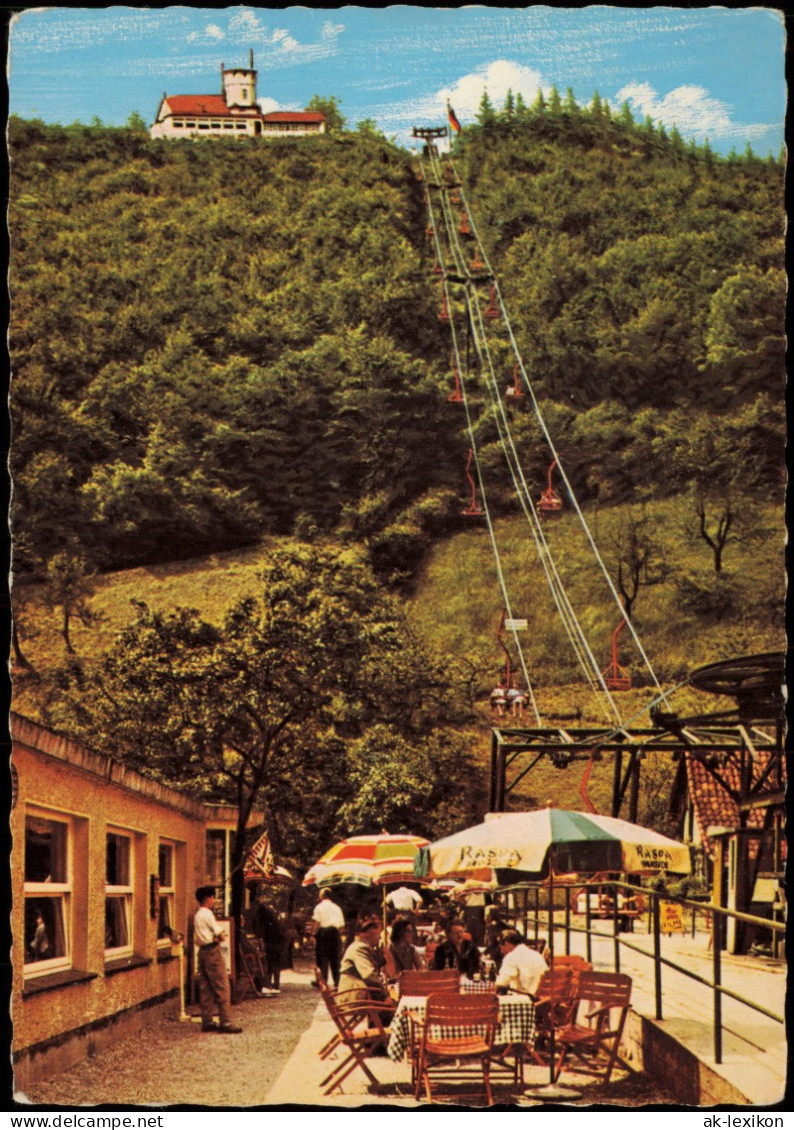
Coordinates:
x,y
234,112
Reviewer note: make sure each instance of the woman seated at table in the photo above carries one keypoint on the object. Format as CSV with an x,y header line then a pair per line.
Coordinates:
x,y
458,951
403,953
360,976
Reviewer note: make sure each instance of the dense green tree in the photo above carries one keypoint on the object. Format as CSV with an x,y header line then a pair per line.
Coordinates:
x,y
486,115
335,120
68,585
319,670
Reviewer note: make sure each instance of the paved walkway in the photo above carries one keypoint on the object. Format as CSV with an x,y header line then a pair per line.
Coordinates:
x,y
754,1047
275,1060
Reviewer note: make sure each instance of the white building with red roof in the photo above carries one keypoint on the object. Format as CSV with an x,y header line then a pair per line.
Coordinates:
x,y
234,112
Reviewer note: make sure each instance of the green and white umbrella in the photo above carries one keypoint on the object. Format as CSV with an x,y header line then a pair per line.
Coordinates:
x,y
545,844
551,841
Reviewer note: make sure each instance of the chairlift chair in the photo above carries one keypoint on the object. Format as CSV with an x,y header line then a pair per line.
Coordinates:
x,y
616,677
491,311
550,504
473,510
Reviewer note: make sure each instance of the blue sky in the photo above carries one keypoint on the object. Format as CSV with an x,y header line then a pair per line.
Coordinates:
x,y
713,72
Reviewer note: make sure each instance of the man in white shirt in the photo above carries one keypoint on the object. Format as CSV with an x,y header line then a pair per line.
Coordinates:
x,y
404,900
521,966
214,988
327,942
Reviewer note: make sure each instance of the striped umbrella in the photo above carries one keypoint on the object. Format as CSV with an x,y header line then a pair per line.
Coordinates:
x,y
531,845
367,861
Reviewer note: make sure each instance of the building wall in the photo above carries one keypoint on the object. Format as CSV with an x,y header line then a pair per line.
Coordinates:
x,y
198,127
64,1004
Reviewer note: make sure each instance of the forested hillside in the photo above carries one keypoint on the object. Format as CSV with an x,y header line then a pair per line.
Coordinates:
x,y
230,344
211,343
645,283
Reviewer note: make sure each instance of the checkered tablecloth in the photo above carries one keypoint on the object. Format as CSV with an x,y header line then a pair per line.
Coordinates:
x,y
516,1023
467,986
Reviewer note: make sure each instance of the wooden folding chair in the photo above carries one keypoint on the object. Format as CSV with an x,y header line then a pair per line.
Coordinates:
x,y
599,993
251,970
458,1029
577,965
554,1006
423,982
360,1030
324,988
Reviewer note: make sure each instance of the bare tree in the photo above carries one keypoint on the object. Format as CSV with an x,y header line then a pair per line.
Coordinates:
x,y
639,559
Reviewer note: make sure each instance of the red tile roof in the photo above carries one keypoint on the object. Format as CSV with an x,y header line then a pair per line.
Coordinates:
x,y
294,116
209,105
714,806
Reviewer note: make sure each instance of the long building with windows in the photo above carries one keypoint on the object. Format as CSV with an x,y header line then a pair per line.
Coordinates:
x,y
234,112
105,865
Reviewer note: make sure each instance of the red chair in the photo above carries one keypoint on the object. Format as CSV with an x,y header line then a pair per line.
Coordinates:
x,y
423,982
360,1031
596,1033
458,1030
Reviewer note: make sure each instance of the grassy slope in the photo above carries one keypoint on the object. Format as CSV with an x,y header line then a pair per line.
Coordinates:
x,y
457,606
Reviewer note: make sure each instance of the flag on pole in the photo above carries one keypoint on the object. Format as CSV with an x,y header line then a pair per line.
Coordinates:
x,y
260,857
453,119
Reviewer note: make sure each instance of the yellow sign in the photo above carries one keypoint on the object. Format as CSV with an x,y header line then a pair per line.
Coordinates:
x,y
670,918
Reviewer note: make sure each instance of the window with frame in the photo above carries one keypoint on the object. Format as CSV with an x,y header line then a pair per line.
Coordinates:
x,y
166,862
118,894
47,893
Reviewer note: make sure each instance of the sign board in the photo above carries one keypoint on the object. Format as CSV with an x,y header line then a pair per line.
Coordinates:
x,y
516,625
670,918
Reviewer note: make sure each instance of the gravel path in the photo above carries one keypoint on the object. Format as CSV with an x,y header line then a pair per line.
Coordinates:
x,y
173,1063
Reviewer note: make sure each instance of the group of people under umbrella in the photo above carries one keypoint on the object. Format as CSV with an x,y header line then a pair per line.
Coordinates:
x,y
538,846
372,962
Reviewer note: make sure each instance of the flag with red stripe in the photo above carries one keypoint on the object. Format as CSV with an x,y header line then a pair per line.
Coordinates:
x,y
453,119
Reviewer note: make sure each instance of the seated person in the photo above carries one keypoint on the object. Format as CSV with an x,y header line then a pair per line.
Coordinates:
x,y
404,954
360,976
521,967
458,951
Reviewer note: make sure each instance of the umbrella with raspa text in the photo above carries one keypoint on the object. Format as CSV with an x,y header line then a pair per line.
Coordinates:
x,y
538,845
548,841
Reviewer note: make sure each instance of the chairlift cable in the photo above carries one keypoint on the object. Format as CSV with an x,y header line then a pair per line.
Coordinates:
x,y
552,448
559,593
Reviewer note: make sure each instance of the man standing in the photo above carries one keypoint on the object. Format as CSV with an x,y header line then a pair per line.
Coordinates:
x,y
214,989
330,920
404,900
521,966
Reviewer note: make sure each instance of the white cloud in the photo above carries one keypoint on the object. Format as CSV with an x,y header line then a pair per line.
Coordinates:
x,y
268,105
497,78
331,31
691,109
211,34
245,22
246,28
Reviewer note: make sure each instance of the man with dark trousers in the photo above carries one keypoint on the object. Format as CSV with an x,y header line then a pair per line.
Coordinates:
x,y
214,988
330,920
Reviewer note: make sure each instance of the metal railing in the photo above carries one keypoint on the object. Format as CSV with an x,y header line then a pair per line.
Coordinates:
x,y
716,919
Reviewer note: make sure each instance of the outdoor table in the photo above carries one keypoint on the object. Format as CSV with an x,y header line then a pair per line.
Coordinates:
x,y
516,1022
